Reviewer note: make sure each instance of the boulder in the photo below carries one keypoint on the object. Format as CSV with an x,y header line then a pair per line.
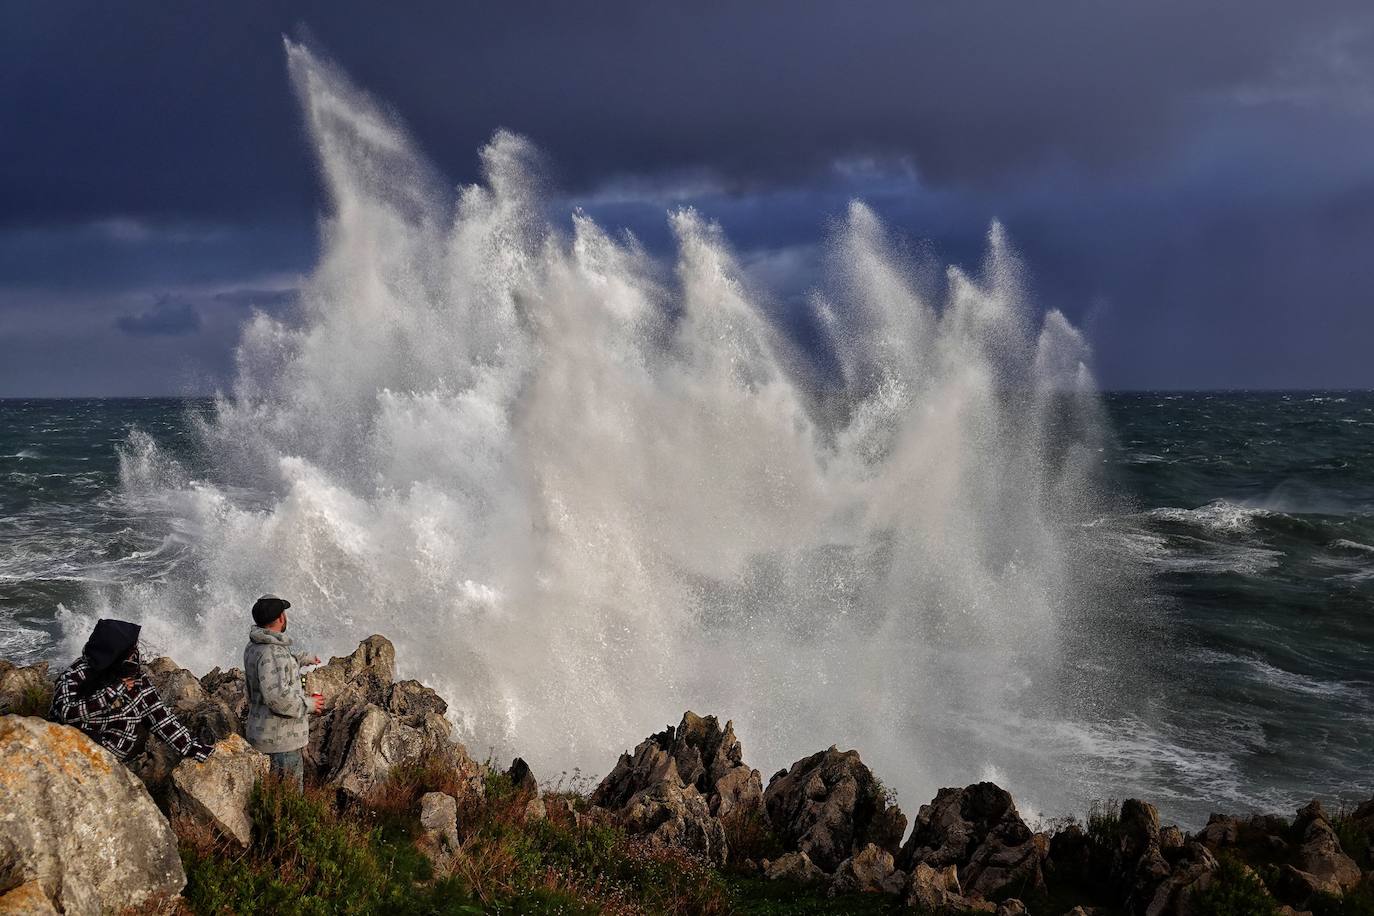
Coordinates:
x,y
829,806
366,674
216,791
870,870
1012,907
793,866
78,824
978,830
439,826
701,754
526,789
209,717
230,688
1319,852
936,890
25,691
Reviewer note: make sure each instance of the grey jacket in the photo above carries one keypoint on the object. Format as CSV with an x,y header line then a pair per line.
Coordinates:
x,y
278,710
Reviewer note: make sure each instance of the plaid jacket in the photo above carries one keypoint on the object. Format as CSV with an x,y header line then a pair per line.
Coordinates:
x,y
117,717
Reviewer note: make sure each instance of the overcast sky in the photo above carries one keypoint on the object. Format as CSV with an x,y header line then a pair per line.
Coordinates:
x,y
1192,182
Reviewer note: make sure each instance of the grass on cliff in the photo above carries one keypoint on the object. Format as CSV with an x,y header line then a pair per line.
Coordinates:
x,y
315,854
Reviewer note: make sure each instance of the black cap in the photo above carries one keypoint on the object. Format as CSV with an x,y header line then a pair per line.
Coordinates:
x,y
268,608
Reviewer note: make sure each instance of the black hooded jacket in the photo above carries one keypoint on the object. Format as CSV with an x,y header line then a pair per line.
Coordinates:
x,y
111,643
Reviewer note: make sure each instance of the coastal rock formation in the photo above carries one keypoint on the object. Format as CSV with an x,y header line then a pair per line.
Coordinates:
x,y
216,791
978,830
679,784
526,788
829,806
208,716
1320,857
793,866
78,825
25,691
371,724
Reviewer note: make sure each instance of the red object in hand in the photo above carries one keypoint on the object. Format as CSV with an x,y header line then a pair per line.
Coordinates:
x,y
319,702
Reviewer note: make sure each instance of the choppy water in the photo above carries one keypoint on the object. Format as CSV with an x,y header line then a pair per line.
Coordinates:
x,y
1251,646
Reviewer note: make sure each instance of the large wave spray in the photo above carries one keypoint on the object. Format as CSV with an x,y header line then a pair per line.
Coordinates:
x,y
583,492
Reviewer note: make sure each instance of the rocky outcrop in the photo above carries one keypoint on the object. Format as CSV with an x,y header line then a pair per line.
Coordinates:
x,y
371,724
25,691
830,806
680,783
77,826
977,829
526,789
216,791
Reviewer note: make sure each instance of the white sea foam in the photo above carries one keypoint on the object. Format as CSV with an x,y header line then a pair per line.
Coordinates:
x,y
583,493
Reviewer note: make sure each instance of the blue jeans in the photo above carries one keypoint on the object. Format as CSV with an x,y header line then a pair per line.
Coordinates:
x,y
290,766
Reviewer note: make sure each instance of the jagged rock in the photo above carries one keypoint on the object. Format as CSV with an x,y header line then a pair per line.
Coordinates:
x,y
25,691
1070,856
678,785
671,815
1138,866
1012,907
829,805
870,870
703,756
78,823
978,830
793,866
1171,839
367,674
439,823
370,725
1222,832
1319,852
1190,876
230,688
216,791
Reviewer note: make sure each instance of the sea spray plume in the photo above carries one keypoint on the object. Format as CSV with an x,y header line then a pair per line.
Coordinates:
x,y
581,492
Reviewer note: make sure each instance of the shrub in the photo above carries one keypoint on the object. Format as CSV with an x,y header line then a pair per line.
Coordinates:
x,y
1235,891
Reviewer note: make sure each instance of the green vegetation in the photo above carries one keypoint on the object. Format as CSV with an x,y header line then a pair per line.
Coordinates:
x,y
752,896
1235,891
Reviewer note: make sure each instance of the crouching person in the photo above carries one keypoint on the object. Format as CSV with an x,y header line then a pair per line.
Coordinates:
x,y
107,694
278,709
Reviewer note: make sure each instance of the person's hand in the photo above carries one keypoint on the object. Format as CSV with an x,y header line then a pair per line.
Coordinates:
x,y
319,702
129,683
314,661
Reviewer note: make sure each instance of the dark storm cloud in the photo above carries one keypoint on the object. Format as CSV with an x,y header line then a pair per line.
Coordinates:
x,y
166,318
1193,180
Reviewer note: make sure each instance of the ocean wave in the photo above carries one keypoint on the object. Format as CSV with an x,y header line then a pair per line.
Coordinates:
x,y
1346,544
1218,516
27,454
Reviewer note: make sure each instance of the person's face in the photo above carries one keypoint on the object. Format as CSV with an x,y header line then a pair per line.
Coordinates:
x,y
283,621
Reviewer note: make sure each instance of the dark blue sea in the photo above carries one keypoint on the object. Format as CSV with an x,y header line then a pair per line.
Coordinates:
x,y
1250,515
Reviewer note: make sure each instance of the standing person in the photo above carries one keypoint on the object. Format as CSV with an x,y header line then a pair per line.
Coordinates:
x,y
278,709
107,694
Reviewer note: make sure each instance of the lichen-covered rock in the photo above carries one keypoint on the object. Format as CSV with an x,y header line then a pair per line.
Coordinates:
x,y
27,899
978,830
216,791
793,866
870,870
78,823
25,691
830,805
